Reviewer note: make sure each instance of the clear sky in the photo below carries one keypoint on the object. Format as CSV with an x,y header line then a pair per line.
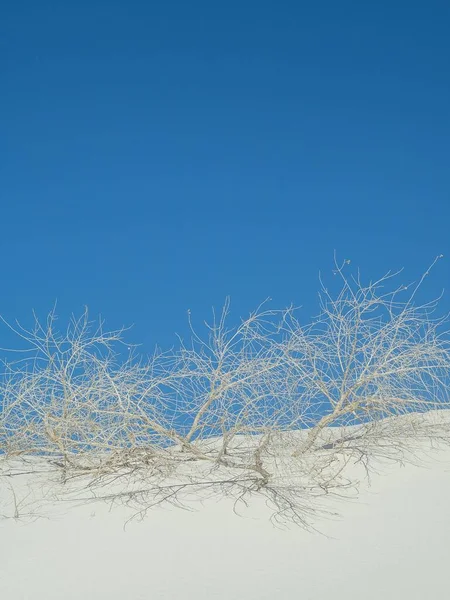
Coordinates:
x,y
159,156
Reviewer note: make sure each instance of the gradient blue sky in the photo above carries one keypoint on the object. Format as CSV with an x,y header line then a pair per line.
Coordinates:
x,y
159,156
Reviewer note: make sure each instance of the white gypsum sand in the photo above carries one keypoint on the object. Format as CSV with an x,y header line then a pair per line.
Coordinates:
x,y
391,541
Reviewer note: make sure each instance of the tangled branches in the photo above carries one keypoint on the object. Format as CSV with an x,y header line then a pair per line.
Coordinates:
x,y
270,407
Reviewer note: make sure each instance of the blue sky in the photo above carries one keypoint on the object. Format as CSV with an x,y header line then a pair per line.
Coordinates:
x,y
159,156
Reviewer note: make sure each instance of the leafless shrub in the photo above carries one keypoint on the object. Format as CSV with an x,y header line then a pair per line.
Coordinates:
x,y
271,407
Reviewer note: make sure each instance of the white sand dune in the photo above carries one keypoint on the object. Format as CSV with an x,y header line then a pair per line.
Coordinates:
x,y
392,543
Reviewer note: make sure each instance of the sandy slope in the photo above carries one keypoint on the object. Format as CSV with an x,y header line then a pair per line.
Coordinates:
x,y
392,543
